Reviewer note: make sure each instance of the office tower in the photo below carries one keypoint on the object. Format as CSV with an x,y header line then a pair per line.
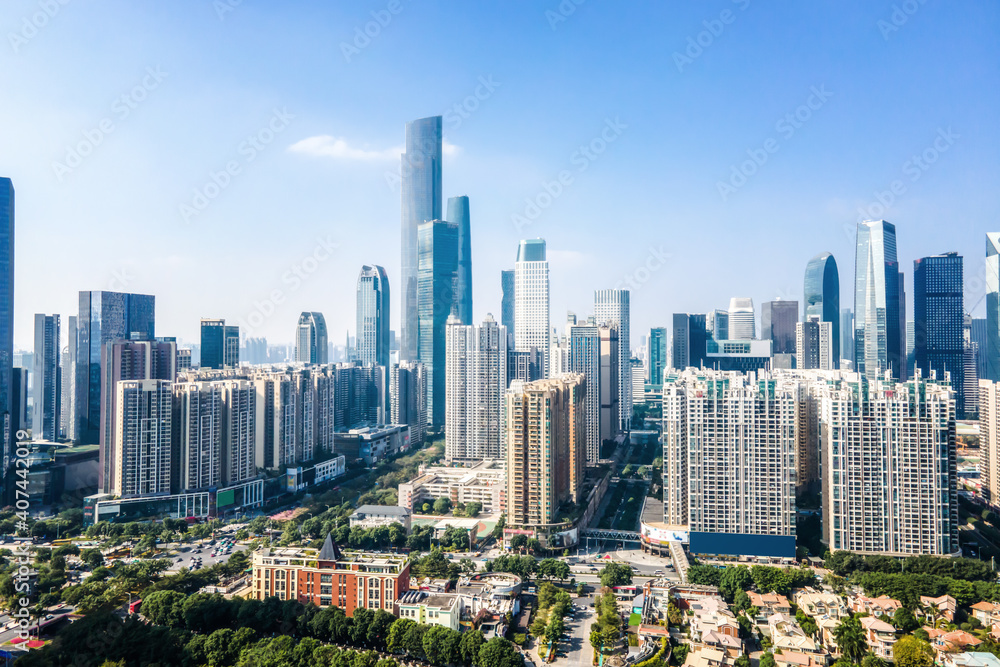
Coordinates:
x,y
544,434
531,301
903,369
821,290
421,202
777,324
437,241
458,214
877,335
123,360
142,425
742,325
610,387
220,344
476,382
507,302
690,341
939,321
19,415
612,306
104,317
992,306
638,369
717,324
524,366
814,344
311,338
889,462
373,316
847,335
729,453
658,362
47,379
8,434
911,347
67,401
585,359
408,398
199,434
977,334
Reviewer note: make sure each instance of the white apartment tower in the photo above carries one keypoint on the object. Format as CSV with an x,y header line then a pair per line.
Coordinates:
x,y
611,306
476,379
142,440
199,432
989,441
813,344
742,324
531,301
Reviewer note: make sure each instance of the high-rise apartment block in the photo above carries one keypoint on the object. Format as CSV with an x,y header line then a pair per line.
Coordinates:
x,y
588,357
408,398
476,383
141,461
544,431
814,344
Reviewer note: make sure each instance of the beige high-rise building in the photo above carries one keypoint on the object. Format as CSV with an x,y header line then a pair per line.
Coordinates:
x,y
142,429
545,449
989,441
476,370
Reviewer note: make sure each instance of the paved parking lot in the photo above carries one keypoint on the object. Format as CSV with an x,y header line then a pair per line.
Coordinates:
x,y
187,555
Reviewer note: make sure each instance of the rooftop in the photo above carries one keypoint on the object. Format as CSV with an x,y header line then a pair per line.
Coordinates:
x,y
382,510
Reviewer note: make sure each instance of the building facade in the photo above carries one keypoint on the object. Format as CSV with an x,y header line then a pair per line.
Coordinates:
x,y
611,306
939,321
814,344
458,214
8,435
408,398
878,338
311,339
507,303
373,316
821,291
658,344
484,483
437,275
220,344
531,301
141,461
742,321
777,324
46,391
690,340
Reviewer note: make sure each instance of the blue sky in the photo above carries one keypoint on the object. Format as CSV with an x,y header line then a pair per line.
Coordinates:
x,y
684,93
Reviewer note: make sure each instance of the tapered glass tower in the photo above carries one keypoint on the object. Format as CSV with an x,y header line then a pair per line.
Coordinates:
x,y
373,316
821,289
458,213
877,335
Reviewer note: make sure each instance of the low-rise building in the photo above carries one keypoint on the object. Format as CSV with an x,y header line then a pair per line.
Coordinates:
x,y
932,609
797,659
820,603
970,659
369,516
945,642
768,605
880,636
483,483
787,635
882,605
704,656
325,577
711,615
373,444
444,609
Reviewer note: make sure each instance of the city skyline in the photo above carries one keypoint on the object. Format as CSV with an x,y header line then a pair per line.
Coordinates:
x,y
336,190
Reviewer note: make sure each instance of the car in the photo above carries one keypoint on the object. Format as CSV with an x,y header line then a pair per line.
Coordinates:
x,y
49,616
658,572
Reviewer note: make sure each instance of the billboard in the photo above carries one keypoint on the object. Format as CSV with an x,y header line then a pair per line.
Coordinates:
x,y
662,535
226,498
733,544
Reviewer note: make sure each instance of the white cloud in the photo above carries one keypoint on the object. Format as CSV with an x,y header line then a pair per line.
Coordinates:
x,y
325,145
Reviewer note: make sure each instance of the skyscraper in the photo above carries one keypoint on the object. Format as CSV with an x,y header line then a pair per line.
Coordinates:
x,y
68,401
48,378
690,341
311,338
847,335
742,324
877,334
103,317
814,344
143,436
421,202
977,334
658,361
408,398
220,344
612,306
7,434
458,213
821,290
777,324
437,276
373,316
939,321
507,302
717,324
992,306
585,359
531,300
476,382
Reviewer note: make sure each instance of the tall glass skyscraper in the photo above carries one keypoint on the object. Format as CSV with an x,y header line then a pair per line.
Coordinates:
x,y
939,321
847,334
220,344
878,339
311,343
103,317
821,290
611,306
458,213
992,305
658,361
507,302
7,436
531,301
437,276
46,391
373,316
777,324
421,202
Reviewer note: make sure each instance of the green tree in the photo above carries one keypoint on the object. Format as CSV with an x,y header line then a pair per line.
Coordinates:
x,y
473,509
469,646
734,580
909,651
767,659
904,620
850,638
499,652
397,632
872,660
616,574
442,505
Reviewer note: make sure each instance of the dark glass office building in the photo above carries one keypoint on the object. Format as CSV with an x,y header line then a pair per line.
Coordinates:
x,y
220,344
436,283
690,344
657,354
7,434
507,305
777,324
821,290
458,213
373,316
421,202
103,317
939,321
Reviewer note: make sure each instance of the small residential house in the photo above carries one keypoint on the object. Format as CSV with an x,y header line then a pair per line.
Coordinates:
x,y
768,605
931,610
880,635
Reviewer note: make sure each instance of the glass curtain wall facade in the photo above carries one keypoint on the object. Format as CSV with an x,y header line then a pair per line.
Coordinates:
x,y
821,289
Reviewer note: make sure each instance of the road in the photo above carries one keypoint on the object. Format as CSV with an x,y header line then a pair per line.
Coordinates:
x,y
577,645
7,635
